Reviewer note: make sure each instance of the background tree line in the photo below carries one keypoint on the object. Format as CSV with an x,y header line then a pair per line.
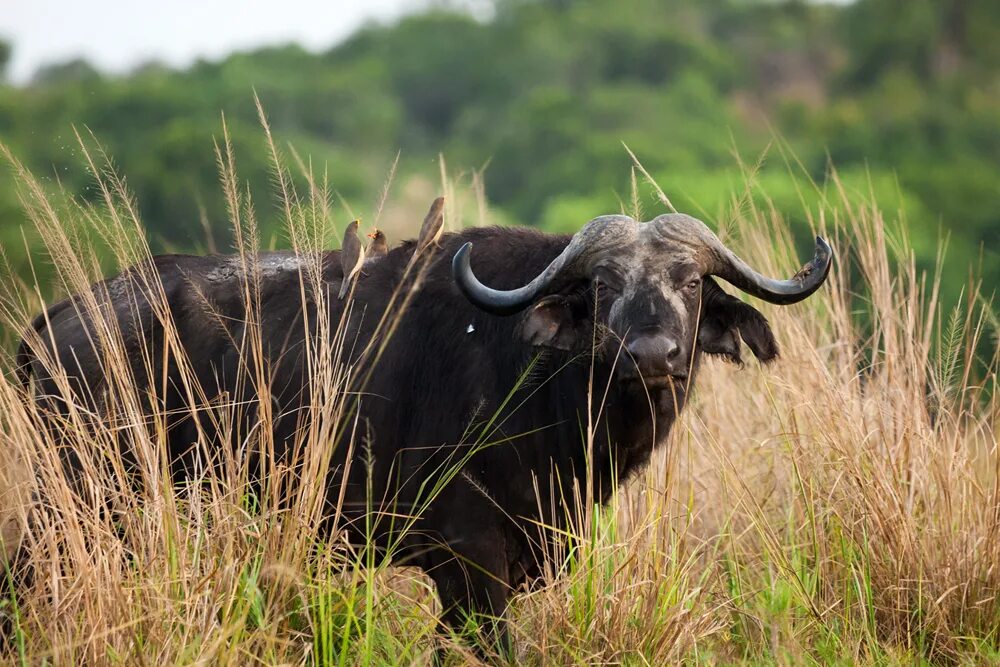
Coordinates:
x,y
902,96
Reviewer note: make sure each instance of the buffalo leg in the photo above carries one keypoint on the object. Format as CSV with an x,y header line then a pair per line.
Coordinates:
x,y
472,582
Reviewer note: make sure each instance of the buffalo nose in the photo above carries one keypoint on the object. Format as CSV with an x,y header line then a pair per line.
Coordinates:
x,y
656,355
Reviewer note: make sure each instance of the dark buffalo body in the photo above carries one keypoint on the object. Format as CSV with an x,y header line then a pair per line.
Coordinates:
x,y
631,317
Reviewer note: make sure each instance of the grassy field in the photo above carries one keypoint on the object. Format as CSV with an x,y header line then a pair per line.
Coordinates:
x,y
841,506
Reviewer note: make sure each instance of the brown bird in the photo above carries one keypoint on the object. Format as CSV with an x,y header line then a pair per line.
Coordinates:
x,y
352,257
378,247
433,225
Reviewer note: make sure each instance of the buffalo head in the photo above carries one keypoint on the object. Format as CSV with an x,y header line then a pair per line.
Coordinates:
x,y
649,286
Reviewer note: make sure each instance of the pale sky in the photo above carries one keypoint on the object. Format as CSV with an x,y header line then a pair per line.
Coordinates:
x,y
117,35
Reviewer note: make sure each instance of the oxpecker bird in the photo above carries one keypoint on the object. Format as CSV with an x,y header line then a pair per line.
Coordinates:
x,y
378,247
433,225
352,257
430,231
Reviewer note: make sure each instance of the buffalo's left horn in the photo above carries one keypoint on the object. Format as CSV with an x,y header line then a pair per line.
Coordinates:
x,y
806,280
722,262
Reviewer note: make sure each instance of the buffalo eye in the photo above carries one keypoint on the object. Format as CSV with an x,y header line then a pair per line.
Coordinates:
x,y
692,285
608,279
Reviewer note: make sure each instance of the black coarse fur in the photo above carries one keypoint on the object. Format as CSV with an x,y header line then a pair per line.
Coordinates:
x,y
432,401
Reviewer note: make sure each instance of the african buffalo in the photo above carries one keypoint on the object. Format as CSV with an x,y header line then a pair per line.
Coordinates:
x,y
623,306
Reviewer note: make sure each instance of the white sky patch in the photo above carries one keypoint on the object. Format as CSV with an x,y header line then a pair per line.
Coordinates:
x,y
118,35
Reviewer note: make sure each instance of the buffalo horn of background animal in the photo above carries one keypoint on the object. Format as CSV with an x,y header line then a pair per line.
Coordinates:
x,y
720,261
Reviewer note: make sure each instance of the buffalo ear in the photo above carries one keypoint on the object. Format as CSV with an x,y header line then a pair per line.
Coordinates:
x,y
553,322
725,320
757,334
714,337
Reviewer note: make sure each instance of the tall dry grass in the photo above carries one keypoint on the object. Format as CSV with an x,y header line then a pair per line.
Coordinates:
x,y
839,506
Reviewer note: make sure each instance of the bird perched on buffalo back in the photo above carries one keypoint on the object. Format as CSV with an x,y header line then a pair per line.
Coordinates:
x,y
430,230
352,257
378,246
433,225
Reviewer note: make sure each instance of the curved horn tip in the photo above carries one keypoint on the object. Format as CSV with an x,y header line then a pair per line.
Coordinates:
x,y
824,254
823,246
461,266
496,302
462,256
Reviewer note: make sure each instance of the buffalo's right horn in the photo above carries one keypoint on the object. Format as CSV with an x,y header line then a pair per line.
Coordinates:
x,y
596,234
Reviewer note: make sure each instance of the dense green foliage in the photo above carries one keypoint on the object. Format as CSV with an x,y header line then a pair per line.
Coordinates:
x,y
903,96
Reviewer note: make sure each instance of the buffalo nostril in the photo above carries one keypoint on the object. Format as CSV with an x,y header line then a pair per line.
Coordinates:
x,y
652,348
